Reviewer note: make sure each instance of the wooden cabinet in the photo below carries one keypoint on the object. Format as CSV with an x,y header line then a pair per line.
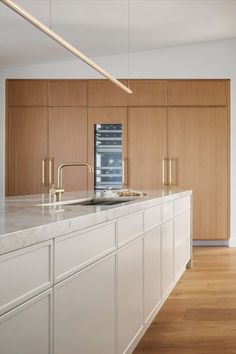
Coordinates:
x,y
68,143
147,147
148,93
152,271
27,139
199,150
68,93
106,115
27,93
198,93
84,310
167,256
130,293
28,328
104,93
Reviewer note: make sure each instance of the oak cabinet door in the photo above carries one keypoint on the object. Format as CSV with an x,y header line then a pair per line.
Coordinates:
x,y
147,148
28,145
152,271
200,160
130,293
68,143
167,256
84,311
27,329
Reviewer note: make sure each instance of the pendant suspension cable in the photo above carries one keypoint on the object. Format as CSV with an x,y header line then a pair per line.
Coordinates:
x,y
50,14
45,29
128,42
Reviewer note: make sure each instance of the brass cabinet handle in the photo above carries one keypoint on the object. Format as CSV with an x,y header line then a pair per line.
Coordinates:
x,y
50,172
124,182
170,172
43,172
164,160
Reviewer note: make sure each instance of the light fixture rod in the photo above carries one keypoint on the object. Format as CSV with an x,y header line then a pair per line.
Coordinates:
x,y
28,17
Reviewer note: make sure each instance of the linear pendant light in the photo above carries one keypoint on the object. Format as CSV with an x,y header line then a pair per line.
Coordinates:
x,y
28,17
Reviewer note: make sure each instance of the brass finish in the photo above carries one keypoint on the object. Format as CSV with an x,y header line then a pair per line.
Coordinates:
x,y
59,190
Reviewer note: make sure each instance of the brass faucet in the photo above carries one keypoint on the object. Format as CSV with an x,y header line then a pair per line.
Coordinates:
x,y
57,192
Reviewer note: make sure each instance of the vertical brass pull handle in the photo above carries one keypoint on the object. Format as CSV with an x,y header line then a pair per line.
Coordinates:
x,y
43,171
164,160
124,182
50,172
170,172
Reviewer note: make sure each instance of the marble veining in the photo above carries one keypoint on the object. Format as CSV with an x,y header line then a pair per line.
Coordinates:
x,y
23,222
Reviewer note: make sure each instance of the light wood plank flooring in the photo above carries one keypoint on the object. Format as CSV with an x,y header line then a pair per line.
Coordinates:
x,y
199,317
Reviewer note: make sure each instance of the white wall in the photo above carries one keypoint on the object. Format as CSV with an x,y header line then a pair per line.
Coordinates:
x,y
204,60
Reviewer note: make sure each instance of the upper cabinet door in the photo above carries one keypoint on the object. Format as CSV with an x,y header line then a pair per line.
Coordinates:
x,y
199,148
104,93
106,115
147,148
68,143
68,93
198,92
31,93
27,139
148,93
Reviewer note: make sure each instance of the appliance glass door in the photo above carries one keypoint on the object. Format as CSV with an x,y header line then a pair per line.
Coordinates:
x,y
108,156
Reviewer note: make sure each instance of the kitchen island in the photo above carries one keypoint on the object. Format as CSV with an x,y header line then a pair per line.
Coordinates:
x,y
83,279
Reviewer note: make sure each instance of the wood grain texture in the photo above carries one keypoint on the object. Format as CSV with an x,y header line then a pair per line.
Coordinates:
x,y
68,143
148,93
68,93
195,320
198,92
147,146
27,148
199,146
104,93
105,115
23,93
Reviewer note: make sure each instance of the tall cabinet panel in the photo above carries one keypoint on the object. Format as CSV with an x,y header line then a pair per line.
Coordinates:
x,y
68,143
147,148
199,154
107,116
27,139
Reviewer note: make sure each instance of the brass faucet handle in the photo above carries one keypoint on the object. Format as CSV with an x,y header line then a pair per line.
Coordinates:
x,y
58,192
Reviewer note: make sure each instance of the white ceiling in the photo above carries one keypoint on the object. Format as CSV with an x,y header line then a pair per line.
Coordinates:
x,y
100,27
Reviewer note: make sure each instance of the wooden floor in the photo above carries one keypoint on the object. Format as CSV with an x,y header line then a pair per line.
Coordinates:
x,y
199,317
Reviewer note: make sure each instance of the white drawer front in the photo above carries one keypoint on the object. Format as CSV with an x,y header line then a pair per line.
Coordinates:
x,y
27,329
182,226
167,211
78,249
152,217
181,204
182,255
129,228
24,273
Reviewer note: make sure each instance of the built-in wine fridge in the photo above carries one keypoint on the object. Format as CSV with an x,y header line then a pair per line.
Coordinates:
x,y
108,156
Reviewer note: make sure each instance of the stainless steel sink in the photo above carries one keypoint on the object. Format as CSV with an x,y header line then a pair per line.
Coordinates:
x,y
105,201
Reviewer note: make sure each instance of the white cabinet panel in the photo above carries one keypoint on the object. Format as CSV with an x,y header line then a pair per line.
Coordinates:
x,y
167,256
130,293
84,310
129,228
182,255
28,328
181,205
167,211
152,271
152,217
24,273
182,226
78,249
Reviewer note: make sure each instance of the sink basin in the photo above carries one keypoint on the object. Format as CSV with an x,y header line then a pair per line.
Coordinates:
x,y
92,201
104,201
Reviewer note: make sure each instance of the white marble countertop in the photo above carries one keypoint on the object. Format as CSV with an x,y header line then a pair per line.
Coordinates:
x,y
23,222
